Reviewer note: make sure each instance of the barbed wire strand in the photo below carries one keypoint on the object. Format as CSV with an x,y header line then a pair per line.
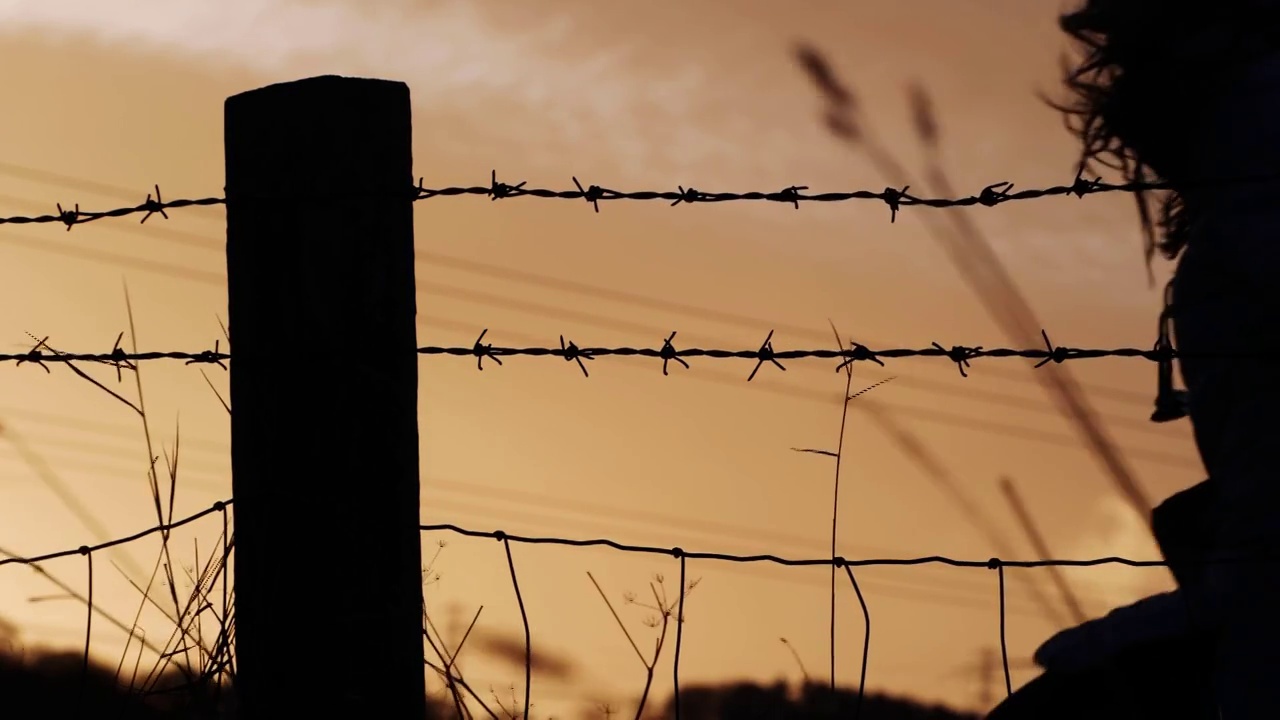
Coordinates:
x,y
894,198
960,355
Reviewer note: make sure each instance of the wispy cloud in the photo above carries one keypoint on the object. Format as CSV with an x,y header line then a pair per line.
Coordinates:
x,y
540,91
548,78
1113,529
447,40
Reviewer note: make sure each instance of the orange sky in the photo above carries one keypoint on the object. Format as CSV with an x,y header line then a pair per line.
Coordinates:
x,y
632,97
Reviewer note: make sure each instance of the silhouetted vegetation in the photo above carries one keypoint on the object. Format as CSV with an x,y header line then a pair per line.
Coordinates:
x,y
58,685
54,685
812,701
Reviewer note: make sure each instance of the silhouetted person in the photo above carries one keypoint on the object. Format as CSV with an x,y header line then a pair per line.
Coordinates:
x,y
1182,527
1187,92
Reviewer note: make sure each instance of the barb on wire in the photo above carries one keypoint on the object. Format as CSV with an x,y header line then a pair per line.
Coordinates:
x,y
482,351
115,359
42,345
572,353
154,204
960,355
668,353
858,353
895,199
765,354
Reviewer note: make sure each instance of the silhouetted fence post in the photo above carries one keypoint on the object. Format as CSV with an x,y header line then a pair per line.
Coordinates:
x,y
324,453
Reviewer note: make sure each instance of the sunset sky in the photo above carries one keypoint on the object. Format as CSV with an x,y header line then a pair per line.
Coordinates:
x,y
102,101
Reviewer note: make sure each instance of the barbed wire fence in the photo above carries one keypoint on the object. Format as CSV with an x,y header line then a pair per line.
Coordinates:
x,y
681,555
569,351
667,352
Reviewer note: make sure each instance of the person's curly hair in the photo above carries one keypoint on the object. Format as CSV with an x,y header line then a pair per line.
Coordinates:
x,y
1141,90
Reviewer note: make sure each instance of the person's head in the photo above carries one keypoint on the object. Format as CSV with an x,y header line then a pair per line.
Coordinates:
x,y
1144,81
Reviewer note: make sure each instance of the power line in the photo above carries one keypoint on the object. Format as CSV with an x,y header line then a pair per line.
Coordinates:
x,y
103,256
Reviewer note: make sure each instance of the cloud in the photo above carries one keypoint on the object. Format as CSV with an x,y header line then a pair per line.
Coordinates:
x,y
511,650
268,35
460,59
1113,529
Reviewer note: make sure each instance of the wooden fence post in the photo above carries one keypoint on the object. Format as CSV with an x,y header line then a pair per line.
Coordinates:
x,y
324,436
